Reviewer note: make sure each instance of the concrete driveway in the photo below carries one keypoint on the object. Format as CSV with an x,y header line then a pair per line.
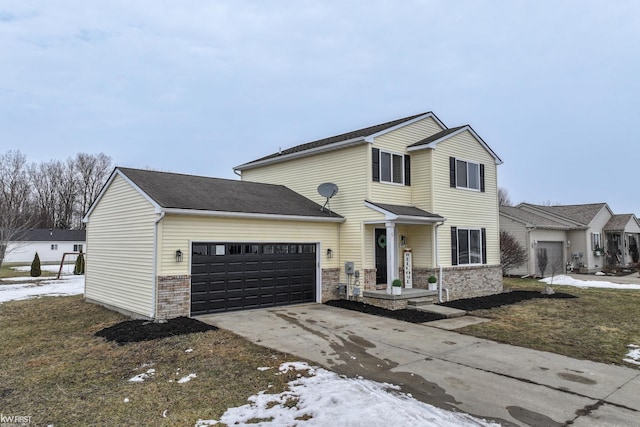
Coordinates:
x,y
507,384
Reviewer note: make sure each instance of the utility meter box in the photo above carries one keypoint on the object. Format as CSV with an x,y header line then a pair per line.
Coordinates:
x,y
348,267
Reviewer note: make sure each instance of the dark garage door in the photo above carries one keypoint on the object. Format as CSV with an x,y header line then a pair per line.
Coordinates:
x,y
237,276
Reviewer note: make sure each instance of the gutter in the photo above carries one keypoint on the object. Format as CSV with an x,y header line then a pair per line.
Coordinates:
x,y
440,288
226,214
154,288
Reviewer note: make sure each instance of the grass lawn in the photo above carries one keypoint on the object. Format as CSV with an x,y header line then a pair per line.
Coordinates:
x,y
55,370
598,325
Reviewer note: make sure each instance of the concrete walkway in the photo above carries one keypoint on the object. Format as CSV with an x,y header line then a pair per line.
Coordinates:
x,y
510,385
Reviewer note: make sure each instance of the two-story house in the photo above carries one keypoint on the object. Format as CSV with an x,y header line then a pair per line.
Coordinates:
x,y
407,185
410,199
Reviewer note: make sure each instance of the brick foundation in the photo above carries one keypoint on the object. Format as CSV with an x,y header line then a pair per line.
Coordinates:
x,y
174,297
472,281
330,281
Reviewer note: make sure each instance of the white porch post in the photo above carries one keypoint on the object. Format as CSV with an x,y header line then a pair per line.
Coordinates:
x,y
392,255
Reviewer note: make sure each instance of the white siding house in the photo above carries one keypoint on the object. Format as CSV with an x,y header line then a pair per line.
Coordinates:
x,y
50,244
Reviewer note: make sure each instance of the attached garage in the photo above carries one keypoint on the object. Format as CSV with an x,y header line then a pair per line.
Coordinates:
x,y
235,276
163,245
554,256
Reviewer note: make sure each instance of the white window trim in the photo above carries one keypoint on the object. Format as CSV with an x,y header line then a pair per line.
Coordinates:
x,y
392,153
479,230
479,178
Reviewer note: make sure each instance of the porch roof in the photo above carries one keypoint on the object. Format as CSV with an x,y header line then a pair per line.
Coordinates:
x,y
404,214
618,222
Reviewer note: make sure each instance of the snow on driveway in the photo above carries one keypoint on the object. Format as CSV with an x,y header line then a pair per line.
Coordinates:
x,y
328,399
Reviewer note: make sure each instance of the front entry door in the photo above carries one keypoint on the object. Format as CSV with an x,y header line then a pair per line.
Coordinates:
x,y
381,256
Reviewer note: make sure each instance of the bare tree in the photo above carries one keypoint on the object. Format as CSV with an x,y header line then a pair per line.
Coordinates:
x,y
67,193
543,260
512,254
503,197
93,171
43,183
15,215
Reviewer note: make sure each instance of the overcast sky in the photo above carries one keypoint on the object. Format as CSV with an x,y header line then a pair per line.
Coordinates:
x,y
198,87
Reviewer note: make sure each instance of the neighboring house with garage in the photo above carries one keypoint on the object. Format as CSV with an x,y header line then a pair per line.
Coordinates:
x,y
50,244
585,238
162,245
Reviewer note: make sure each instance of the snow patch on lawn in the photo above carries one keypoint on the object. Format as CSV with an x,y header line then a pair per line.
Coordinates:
x,y
143,376
633,356
187,378
570,281
66,285
324,398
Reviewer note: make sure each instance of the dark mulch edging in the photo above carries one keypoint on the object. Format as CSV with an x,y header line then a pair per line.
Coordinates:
x,y
498,300
469,304
144,330
413,316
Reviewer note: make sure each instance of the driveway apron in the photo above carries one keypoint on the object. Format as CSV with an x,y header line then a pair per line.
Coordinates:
x,y
510,385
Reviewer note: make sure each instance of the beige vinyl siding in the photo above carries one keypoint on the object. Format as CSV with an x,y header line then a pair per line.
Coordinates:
x,y
349,169
520,233
461,207
179,231
597,226
396,142
120,250
422,179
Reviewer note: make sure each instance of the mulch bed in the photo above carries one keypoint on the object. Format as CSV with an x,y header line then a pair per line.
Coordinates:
x,y
413,316
468,304
498,300
144,330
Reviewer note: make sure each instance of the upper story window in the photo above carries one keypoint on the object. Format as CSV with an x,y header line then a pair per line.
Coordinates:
x,y
466,174
391,167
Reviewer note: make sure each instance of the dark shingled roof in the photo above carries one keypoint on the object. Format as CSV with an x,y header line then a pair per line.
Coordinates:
x,y
51,235
618,222
360,133
405,210
435,137
532,219
583,214
178,191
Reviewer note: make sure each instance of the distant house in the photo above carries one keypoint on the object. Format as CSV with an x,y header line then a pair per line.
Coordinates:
x,y
50,244
584,238
162,245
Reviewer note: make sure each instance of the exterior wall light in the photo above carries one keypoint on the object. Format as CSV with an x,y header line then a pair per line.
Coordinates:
x,y
329,253
178,255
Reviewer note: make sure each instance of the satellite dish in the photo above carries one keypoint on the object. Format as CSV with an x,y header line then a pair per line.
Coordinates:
x,y
328,190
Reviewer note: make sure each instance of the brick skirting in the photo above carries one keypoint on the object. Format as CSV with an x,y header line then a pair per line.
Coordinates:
x,y
174,297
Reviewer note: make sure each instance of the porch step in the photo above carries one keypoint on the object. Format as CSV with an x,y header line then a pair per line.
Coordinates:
x,y
419,302
448,312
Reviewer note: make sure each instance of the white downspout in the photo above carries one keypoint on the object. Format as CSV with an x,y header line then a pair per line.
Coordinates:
x,y
154,288
439,266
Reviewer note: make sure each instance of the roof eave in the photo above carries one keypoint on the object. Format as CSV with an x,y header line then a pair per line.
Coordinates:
x,y
304,153
468,128
251,215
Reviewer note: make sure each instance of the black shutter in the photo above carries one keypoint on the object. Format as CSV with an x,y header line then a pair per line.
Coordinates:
x,y
481,177
375,164
454,246
484,245
452,171
407,169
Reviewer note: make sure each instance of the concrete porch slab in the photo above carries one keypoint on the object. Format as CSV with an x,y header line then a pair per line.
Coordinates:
x,y
448,312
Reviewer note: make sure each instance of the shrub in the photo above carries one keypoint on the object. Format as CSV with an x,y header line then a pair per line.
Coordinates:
x,y
79,268
512,254
432,279
396,282
36,271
